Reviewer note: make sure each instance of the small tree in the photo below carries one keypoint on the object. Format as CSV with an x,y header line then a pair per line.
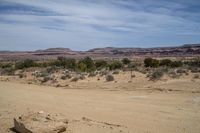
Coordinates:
x,y
115,65
126,61
176,64
101,64
25,64
149,62
82,67
88,63
165,62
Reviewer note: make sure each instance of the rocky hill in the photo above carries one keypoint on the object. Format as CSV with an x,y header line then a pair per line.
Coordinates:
x,y
182,51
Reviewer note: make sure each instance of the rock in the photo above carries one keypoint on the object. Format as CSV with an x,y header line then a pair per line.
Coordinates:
x,y
41,112
40,123
19,127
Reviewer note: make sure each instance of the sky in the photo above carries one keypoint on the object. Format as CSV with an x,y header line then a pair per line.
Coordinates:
x,y
87,24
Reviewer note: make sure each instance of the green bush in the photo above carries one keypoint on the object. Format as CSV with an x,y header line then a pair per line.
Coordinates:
x,y
115,65
101,64
176,64
86,65
65,63
6,65
82,67
25,64
149,62
126,61
165,62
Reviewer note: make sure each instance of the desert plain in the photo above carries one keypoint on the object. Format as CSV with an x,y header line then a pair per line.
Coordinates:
x,y
129,105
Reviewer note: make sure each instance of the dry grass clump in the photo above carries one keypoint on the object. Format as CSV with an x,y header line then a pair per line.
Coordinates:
x,y
66,76
92,74
194,70
74,79
7,71
174,74
157,74
104,72
115,72
196,76
46,79
181,71
78,77
109,78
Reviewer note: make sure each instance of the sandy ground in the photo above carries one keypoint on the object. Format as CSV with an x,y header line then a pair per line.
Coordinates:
x,y
137,107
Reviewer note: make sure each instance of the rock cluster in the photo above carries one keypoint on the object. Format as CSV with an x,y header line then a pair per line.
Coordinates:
x,y
40,122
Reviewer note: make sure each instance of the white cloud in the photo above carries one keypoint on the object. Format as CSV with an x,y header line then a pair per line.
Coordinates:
x,y
82,24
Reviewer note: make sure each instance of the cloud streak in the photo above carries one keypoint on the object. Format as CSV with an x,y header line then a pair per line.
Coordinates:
x,y
81,25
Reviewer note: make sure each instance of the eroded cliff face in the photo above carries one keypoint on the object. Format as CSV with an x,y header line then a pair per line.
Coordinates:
x,y
185,50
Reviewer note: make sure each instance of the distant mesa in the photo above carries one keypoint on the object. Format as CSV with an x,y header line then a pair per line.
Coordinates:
x,y
55,50
186,50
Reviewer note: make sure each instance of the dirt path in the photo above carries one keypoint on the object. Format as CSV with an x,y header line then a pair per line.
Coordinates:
x,y
134,111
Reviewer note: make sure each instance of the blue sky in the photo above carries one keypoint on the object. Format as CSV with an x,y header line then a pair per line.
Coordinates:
x,y
86,24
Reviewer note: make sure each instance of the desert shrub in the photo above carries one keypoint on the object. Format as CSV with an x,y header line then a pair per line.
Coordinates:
x,y
103,72
82,67
75,79
25,64
92,74
109,78
6,65
41,74
89,63
196,76
20,75
42,64
51,69
68,76
176,64
194,69
63,62
63,77
181,71
126,61
165,62
115,65
173,74
101,64
157,74
115,72
8,71
149,62
71,64
81,77
46,79
195,62
86,65
131,65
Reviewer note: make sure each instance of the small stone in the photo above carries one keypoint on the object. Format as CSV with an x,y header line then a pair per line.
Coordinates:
x,y
41,112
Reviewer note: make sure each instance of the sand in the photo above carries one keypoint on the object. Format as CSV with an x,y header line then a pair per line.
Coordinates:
x,y
141,106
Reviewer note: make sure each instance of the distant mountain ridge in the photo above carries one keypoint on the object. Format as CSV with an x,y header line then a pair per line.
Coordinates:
x,y
184,50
